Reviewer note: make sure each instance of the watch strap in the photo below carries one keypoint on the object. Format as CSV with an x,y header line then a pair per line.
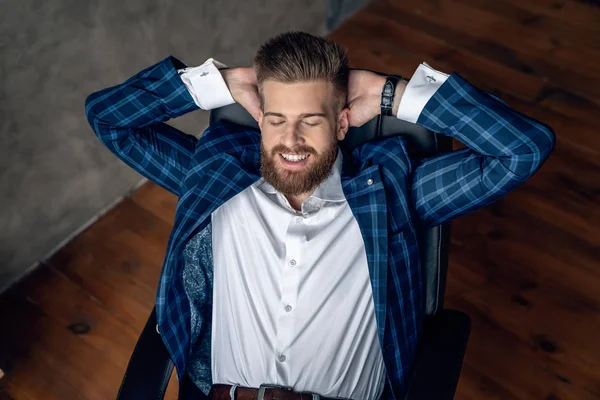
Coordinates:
x,y
387,95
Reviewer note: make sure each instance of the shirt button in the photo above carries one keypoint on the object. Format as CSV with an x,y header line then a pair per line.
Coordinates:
x,y
281,358
370,182
297,220
292,263
288,308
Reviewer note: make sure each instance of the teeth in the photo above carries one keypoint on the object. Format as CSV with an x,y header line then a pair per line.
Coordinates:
x,y
294,158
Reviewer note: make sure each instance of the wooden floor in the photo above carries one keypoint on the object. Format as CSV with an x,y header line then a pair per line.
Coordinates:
x,y
526,269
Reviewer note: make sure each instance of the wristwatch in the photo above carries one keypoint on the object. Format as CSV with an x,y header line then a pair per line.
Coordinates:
x,y
387,95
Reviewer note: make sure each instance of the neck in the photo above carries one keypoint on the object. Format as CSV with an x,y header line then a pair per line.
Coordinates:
x,y
296,201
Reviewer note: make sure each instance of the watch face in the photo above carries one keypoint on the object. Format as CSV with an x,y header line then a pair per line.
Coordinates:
x,y
388,88
387,95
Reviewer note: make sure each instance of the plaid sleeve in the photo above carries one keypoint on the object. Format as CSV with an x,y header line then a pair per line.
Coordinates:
x,y
504,149
129,120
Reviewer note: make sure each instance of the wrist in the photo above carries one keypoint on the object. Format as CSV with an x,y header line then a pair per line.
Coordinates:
x,y
238,80
230,77
390,101
400,88
377,89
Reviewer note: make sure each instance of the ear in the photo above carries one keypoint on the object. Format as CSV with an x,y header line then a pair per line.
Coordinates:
x,y
343,123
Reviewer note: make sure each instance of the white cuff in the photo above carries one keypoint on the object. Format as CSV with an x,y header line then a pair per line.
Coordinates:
x,y
421,87
206,85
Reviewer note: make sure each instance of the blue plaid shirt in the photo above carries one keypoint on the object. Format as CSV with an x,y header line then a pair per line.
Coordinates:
x,y
504,148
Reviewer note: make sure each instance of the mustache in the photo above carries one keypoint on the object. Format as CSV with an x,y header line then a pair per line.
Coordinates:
x,y
301,150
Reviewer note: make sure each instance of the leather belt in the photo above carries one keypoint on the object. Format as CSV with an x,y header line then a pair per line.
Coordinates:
x,y
265,392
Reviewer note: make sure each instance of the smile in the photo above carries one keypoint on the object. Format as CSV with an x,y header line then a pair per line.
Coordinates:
x,y
293,157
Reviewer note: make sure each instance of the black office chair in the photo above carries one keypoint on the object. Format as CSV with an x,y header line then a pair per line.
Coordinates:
x,y
437,367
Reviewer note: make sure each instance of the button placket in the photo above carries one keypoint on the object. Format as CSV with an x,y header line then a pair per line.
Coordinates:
x,y
290,279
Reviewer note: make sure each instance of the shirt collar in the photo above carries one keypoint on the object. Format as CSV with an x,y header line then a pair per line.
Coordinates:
x,y
329,190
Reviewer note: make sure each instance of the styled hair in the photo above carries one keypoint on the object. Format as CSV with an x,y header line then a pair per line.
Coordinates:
x,y
300,57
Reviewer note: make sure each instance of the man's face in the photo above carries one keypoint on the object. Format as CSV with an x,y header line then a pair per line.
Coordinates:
x,y
300,127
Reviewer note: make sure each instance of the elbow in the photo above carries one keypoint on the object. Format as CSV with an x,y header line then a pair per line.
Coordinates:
x,y
545,143
529,163
525,164
92,112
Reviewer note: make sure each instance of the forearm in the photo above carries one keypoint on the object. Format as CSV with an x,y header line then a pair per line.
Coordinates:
x,y
449,105
487,125
155,94
504,149
129,120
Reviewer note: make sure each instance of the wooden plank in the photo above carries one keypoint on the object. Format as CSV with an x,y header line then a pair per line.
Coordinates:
x,y
517,43
107,339
570,12
64,301
118,261
478,234
510,367
157,201
396,39
566,34
525,289
51,361
438,23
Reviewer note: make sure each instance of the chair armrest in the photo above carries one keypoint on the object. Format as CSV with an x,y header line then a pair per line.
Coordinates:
x,y
149,368
438,364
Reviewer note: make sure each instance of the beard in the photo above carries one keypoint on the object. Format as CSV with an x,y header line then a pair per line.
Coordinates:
x,y
295,183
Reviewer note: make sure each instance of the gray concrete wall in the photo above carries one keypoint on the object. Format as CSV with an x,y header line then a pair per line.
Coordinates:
x,y
55,176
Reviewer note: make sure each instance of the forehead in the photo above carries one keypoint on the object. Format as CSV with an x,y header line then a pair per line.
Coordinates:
x,y
298,97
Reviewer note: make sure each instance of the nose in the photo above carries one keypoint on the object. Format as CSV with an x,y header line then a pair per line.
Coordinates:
x,y
291,137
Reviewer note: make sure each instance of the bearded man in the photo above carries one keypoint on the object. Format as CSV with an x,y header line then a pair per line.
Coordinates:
x,y
293,263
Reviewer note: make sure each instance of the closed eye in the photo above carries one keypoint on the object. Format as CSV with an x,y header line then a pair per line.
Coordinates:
x,y
309,124
276,123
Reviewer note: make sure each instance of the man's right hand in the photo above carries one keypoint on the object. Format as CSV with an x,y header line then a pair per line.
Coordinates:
x,y
242,84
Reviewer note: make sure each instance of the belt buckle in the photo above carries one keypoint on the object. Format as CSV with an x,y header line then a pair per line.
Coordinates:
x,y
265,386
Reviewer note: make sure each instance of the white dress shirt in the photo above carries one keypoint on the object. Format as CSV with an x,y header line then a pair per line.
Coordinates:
x,y
292,298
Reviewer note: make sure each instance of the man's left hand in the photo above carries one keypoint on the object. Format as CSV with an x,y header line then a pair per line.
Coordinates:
x,y
242,84
364,96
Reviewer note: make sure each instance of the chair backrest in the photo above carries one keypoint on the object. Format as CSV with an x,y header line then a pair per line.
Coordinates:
x,y
434,242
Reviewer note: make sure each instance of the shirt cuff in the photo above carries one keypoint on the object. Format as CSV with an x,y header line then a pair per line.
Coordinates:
x,y
421,87
206,85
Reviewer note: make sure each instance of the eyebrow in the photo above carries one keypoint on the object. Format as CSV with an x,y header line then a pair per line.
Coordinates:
x,y
306,115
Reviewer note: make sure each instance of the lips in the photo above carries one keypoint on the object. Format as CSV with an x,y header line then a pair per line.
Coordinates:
x,y
294,164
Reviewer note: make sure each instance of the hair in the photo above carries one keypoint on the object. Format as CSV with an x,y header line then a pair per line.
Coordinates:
x,y
300,57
